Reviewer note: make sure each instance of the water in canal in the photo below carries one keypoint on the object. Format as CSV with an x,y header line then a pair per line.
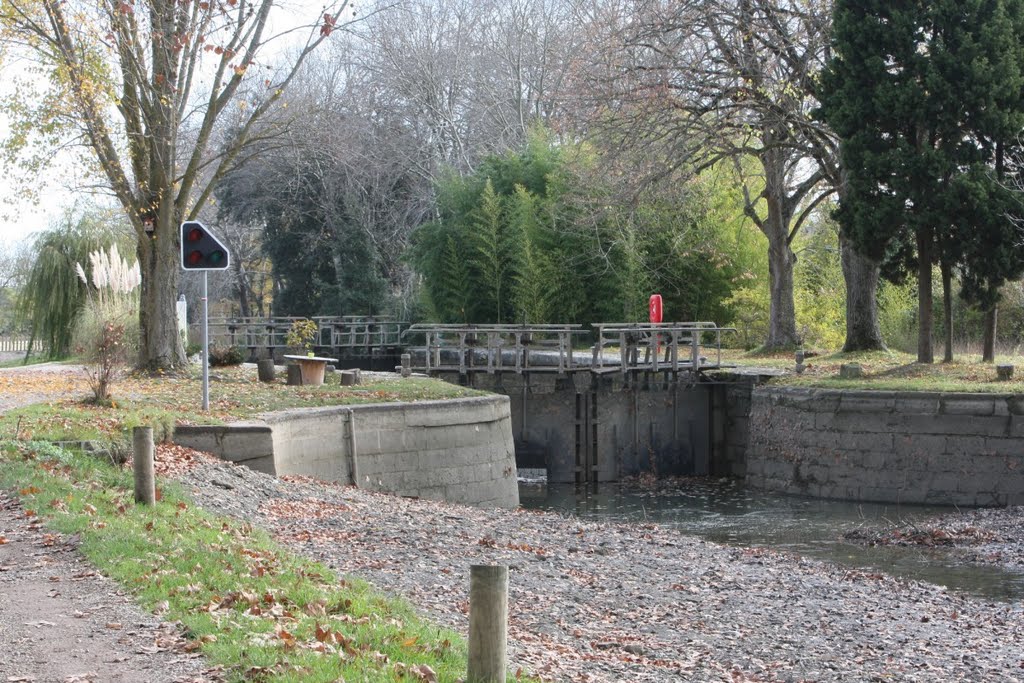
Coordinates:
x,y
725,511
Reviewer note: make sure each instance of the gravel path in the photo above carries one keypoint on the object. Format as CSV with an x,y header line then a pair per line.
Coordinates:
x,y
606,602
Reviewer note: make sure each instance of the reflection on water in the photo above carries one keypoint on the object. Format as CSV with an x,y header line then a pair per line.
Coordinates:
x,y
727,512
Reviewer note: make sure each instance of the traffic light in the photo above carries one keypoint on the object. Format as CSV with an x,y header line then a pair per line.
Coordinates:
x,y
200,250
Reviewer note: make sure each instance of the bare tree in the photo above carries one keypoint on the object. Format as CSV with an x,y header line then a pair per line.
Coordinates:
x,y
470,77
701,82
146,85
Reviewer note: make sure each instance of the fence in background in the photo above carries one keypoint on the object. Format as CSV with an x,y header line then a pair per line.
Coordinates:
x,y
14,343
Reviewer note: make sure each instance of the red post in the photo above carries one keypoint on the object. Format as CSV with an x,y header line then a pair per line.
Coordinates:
x,y
655,308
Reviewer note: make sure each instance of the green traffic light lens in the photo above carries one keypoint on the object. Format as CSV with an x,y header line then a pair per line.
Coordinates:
x,y
215,257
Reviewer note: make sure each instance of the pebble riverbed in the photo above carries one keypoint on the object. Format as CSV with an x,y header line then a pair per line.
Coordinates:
x,y
633,603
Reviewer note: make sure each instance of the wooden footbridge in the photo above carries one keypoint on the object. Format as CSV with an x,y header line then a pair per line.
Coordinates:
x,y
625,348
588,404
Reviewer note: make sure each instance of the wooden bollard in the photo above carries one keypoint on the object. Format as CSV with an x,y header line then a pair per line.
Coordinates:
x,y
294,375
142,465
406,367
488,623
1004,373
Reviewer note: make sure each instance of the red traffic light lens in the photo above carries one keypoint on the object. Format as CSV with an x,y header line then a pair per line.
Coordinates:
x,y
194,235
195,257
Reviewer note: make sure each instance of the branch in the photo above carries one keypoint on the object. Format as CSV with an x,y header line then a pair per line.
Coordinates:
x,y
806,212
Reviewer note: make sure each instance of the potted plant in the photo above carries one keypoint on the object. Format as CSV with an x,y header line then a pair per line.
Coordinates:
x,y
302,334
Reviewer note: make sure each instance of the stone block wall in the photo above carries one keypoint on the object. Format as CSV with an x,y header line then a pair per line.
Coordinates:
x,y
945,449
459,450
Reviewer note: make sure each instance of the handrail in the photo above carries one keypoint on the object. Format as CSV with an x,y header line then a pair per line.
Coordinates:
x,y
452,347
495,347
630,337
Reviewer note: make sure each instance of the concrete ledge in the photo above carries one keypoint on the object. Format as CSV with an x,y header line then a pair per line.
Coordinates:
x,y
892,447
460,450
245,443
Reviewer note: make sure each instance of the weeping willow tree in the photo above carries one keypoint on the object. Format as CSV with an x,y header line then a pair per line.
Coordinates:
x,y
53,295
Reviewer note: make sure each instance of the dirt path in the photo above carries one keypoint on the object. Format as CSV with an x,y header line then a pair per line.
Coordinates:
x,y
62,622
25,385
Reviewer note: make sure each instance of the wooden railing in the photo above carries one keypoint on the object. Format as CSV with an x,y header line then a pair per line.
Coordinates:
x,y
268,335
664,346
496,348
619,347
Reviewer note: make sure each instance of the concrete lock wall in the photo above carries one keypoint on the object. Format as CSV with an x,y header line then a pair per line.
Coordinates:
x,y
730,436
948,449
581,427
459,450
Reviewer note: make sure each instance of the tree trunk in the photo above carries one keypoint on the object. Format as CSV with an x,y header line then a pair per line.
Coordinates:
x,y
925,314
242,278
947,309
988,351
782,313
159,343
860,274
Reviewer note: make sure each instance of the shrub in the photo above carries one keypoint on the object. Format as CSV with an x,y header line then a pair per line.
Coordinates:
x,y
302,334
226,355
105,346
897,315
751,315
106,334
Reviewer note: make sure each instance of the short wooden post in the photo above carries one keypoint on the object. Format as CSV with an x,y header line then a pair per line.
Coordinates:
x,y
142,465
406,364
294,375
1004,373
265,370
488,623
349,378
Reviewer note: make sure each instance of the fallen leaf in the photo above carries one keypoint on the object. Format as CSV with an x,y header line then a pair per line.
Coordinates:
x,y
424,673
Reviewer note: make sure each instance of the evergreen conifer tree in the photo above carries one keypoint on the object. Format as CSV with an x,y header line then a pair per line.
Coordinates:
x,y
923,96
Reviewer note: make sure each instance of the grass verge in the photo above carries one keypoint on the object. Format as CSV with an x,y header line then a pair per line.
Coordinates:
x,y
888,371
259,611
162,401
